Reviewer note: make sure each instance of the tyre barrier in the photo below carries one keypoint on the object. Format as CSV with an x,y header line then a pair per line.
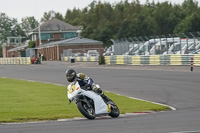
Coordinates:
x,y
81,59
153,60
16,60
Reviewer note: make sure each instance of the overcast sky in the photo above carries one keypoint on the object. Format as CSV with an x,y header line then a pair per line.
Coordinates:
x,y
27,8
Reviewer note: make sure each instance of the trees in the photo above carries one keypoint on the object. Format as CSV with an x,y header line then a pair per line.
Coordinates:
x,y
47,16
105,21
9,27
31,44
28,24
190,18
73,17
188,24
98,22
165,18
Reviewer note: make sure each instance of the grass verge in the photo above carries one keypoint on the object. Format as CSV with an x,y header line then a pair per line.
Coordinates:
x,y
22,101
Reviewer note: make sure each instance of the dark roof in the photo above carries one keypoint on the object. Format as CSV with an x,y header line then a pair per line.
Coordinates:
x,y
76,40
55,24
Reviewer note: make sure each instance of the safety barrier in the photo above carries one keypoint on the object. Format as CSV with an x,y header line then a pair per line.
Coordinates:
x,y
153,60
16,60
82,59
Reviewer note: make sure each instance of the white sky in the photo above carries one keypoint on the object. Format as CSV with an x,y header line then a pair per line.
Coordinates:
x,y
27,8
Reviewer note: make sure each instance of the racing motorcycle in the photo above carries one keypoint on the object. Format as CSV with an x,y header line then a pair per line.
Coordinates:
x,y
89,103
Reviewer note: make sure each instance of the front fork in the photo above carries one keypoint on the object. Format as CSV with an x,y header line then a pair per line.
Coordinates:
x,y
82,98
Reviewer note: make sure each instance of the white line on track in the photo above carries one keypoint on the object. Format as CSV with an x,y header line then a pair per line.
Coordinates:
x,y
75,119
172,108
186,132
36,81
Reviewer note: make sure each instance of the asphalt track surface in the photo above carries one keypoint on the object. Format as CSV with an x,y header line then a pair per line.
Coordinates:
x,y
176,86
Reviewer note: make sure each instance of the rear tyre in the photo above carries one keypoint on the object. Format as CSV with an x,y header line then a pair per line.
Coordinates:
x,y
86,111
114,110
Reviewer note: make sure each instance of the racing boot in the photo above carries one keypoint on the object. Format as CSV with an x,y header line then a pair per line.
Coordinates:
x,y
100,92
105,97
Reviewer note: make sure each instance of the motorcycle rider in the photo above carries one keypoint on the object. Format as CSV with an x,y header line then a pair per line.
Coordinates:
x,y
85,82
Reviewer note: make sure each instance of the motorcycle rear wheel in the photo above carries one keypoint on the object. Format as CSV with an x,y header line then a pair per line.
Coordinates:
x,y
114,110
86,111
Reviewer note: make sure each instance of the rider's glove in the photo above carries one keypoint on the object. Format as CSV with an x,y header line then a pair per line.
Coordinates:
x,y
88,87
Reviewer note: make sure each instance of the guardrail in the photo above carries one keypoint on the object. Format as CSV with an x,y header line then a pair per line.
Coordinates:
x,y
81,59
153,60
16,60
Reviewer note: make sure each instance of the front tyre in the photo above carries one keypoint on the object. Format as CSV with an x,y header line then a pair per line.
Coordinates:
x,y
114,110
86,111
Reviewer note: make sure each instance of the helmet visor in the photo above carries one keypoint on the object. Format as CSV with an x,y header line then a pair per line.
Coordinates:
x,y
70,76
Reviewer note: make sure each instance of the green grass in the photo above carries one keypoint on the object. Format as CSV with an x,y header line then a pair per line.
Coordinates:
x,y
22,101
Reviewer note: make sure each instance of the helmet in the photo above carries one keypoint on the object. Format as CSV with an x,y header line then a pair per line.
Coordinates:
x,y
70,75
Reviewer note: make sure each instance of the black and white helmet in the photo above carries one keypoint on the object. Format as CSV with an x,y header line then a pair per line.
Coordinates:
x,y
70,75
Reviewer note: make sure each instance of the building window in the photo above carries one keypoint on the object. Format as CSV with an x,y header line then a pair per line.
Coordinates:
x,y
46,36
51,36
68,35
12,40
35,36
62,36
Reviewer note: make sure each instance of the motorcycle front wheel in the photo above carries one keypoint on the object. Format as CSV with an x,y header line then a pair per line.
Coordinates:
x,y
86,111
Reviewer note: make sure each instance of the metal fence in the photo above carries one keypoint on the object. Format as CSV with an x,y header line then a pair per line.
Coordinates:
x,y
158,45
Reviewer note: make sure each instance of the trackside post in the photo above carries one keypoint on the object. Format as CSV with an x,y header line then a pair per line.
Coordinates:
x,y
191,63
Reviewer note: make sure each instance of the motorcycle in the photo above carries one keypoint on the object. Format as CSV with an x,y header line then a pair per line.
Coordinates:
x,y
89,103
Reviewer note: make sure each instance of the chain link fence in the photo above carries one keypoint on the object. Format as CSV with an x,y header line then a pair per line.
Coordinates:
x,y
158,45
